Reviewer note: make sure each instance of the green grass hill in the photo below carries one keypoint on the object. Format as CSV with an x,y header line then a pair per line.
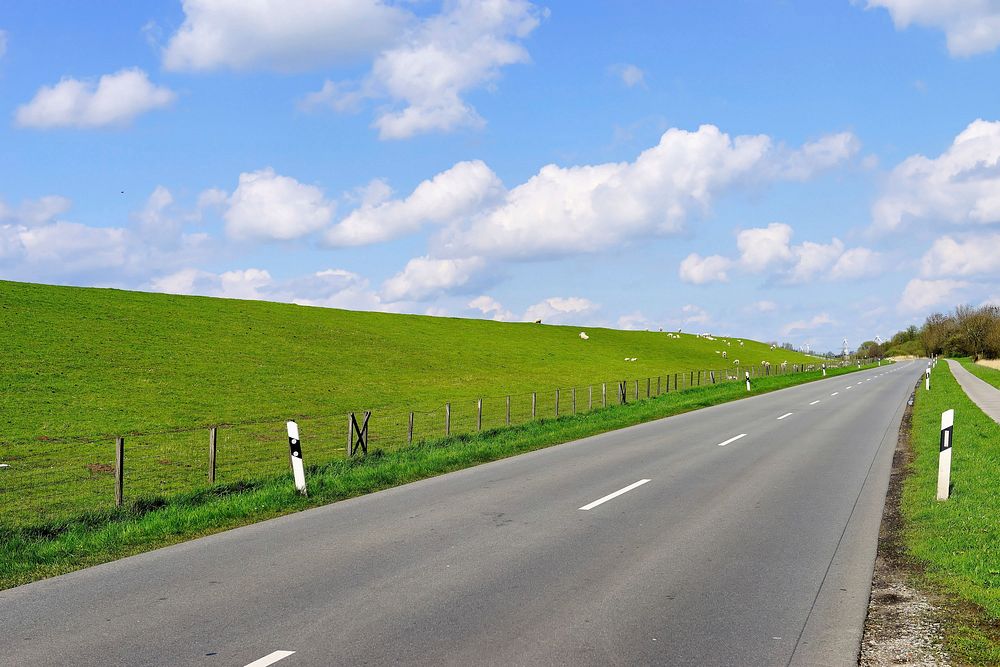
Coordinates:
x,y
83,363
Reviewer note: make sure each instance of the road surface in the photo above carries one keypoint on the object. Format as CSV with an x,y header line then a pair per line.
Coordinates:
x,y
742,534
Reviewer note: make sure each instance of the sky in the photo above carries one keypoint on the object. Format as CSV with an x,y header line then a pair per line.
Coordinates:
x,y
796,172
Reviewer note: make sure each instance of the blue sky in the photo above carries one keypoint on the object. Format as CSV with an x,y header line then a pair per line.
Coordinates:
x,y
799,172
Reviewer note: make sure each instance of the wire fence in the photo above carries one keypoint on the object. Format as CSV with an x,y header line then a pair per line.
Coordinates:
x,y
48,480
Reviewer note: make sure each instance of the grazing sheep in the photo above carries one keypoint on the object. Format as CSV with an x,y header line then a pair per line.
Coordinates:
x,y
538,321
725,355
584,336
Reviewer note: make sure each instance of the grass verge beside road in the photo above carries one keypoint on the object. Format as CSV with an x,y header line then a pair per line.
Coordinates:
x,y
985,373
48,549
957,542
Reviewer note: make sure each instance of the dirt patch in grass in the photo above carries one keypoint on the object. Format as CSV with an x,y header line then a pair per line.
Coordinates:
x,y
100,468
903,625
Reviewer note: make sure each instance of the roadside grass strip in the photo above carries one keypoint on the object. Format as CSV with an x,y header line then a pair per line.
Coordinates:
x,y
35,551
957,541
985,373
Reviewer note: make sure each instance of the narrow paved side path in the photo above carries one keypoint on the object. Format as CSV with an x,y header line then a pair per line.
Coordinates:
x,y
982,393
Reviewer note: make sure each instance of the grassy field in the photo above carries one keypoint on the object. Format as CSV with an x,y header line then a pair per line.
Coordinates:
x,y
88,363
990,375
88,538
85,365
958,541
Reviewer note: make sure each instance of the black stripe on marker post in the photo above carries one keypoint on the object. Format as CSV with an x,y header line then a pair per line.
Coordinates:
x,y
946,438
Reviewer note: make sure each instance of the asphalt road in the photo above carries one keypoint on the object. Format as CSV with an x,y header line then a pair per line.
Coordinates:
x,y
754,552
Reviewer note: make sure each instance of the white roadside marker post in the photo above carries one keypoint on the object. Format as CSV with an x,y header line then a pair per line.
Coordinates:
x,y
927,379
748,380
824,370
295,453
944,457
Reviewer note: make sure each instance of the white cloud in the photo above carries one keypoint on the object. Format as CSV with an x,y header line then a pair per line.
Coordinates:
x,y
460,50
699,270
920,294
211,198
567,210
330,288
116,99
975,255
239,284
425,277
450,196
64,248
762,247
561,310
630,75
960,186
857,263
35,212
806,325
813,259
971,26
280,34
634,321
491,308
770,249
425,72
692,314
764,306
816,156
266,205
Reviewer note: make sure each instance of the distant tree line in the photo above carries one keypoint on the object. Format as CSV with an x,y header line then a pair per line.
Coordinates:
x,y
965,332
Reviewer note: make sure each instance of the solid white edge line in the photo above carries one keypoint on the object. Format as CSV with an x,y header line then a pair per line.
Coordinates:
x,y
814,402
270,659
734,439
787,414
611,496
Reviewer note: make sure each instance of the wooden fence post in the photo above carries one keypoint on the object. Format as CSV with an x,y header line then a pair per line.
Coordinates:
x,y
119,471
675,383
574,400
508,411
713,376
533,402
604,394
479,415
622,392
658,378
691,380
409,432
350,434
648,382
590,398
447,419
557,402
357,435
637,390
212,434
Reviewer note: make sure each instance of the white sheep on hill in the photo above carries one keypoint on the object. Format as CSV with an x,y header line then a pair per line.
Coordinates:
x,y
584,336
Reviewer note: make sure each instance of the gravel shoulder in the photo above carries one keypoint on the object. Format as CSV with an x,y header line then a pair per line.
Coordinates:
x,y
904,625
